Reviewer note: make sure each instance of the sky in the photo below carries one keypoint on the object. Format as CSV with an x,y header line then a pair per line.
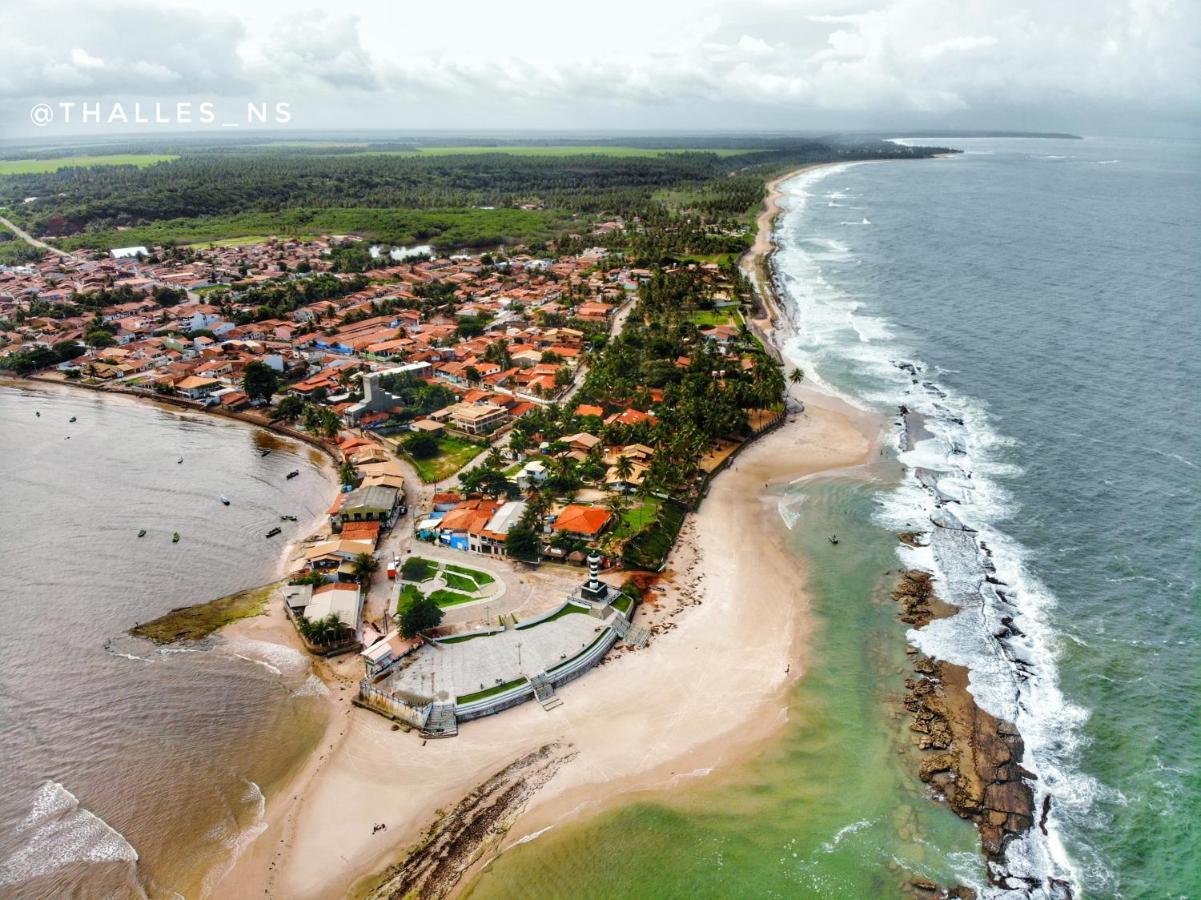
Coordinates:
x,y
1113,67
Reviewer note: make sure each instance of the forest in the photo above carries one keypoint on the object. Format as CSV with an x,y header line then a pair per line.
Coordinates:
x,y
452,199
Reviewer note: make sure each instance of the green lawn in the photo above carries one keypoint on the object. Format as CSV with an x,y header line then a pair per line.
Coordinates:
x,y
713,317
567,610
408,594
459,582
637,517
623,602
492,691
417,568
481,578
454,453
445,598
39,166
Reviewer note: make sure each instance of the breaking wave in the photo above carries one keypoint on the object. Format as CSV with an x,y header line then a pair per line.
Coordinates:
x,y
58,833
953,458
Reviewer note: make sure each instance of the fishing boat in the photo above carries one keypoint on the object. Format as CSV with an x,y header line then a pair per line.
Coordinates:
x,y
72,419
833,539
264,452
141,532
174,537
38,414
294,473
225,500
179,460
273,532
287,518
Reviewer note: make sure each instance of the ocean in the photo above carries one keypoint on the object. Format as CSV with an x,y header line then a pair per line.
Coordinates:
x,y
132,770
1036,302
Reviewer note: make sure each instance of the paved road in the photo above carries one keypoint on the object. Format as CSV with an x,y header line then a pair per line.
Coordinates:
x,y
31,240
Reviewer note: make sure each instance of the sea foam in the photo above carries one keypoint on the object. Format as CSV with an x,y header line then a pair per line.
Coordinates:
x,y
57,833
952,490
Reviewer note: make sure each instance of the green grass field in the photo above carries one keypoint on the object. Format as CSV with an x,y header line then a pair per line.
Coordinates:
x,y
481,578
418,568
39,166
636,518
445,598
454,453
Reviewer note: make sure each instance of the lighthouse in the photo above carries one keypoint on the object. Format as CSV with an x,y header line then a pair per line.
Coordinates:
x,y
594,590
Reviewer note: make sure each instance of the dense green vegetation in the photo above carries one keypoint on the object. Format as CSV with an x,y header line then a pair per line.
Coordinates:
x,y
417,568
445,227
443,194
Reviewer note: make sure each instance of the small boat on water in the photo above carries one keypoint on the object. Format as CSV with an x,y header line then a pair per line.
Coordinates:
x,y
141,532
72,419
833,539
273,532
294,473
287,518
179,460
37,413
225,500
264,452
174,537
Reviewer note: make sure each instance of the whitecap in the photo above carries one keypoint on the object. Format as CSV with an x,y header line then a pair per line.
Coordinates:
x,y
58,833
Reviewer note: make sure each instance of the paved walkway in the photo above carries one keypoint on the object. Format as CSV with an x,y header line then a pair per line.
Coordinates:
x,y
446,671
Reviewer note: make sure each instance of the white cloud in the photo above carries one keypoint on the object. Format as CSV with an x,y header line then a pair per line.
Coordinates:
x,y
715,64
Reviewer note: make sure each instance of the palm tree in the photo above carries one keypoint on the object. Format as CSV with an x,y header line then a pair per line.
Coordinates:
x,y
365,565
624,467
796,376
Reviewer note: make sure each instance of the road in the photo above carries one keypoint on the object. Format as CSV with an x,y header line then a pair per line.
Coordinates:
x,y
32,241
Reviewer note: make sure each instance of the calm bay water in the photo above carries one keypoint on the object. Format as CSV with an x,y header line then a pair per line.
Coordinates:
x,y
134,770
1046,293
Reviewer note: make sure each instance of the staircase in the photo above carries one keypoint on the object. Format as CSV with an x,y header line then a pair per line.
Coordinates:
x,y
636,636
544,692
441,721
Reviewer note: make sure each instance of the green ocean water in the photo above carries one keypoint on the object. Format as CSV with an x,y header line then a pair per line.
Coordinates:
x,y
1046,295
830,809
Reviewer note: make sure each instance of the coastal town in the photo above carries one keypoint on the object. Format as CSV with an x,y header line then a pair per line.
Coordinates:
x,y
511,455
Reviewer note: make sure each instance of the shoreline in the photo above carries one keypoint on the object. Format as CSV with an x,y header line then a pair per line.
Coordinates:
x,y
318,839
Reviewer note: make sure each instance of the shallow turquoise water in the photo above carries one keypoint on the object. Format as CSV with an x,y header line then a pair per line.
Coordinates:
x,y
831,809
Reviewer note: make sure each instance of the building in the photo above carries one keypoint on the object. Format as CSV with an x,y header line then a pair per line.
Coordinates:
x,y
532,474
477,418
376,503
197,387
380,656
583,521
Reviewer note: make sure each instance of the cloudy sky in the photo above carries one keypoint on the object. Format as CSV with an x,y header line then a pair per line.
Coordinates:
x,y
1091,66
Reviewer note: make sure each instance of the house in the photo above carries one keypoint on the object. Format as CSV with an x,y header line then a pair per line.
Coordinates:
x,y
197,387
584,521
376,503
477,418
387,650
532,474
335,598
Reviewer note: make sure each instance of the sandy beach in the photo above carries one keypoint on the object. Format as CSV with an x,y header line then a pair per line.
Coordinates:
x,y
730,633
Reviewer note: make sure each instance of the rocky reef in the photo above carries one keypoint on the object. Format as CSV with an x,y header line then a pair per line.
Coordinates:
x,y
970,757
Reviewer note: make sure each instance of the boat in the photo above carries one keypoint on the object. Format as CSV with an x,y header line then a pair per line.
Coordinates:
x,y
174,537
141,532
72,419
274,531
294,473
38,414
179,460
264,452
833,539
225,500
287,518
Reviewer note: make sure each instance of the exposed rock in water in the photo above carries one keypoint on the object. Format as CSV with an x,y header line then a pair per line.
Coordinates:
x,y
913,538
458,838
972,758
